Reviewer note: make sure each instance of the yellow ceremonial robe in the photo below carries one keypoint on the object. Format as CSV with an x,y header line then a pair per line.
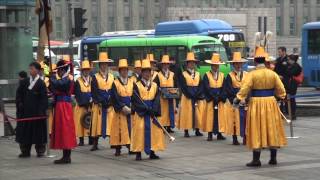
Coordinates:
x,y
138,123
119,134
233,114
96,122
79,111
185,116
166,83
208,124
264,122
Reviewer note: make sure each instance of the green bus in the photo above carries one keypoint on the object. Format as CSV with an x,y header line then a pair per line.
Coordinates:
x,y
175,46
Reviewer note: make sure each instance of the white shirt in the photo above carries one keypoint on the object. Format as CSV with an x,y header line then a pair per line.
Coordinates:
x,y
192,72
215,74
33,81
124,80
146,82
166,73
86,80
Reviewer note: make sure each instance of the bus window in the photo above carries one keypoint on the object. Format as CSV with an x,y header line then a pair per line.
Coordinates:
x,y
136,53
158,52
117,53
203,52
314,41
91,51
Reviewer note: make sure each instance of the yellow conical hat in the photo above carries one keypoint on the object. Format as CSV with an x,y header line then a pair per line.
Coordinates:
x,y
191,57
260,52
269,58
66,58
215,59
166,60
146,64
150,57
123,63
85,64
103,58
237,58
137,64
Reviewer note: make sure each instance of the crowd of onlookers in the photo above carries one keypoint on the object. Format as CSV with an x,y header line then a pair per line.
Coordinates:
x,y
289,71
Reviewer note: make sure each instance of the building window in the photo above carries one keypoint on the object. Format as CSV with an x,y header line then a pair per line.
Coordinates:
x,y
278,1
141,22
259,24
126,22
156,20
292,25
291,1
305,1
111,24
95,29
126,1
261,1
58,27
278,25
318,18
318,1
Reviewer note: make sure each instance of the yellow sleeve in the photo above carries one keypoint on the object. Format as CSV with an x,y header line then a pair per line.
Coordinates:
x,y
246,87
279,88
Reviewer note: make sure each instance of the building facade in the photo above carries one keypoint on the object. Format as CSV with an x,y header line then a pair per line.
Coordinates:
x,y
284,17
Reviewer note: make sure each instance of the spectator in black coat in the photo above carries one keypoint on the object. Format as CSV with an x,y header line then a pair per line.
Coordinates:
x,y
281,69
294,69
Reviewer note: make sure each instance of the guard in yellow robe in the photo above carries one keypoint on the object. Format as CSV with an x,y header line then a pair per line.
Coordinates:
x,y
154,71
121,93
102,110
192,103
235,117
82,92
214,116
264,122
166,79
146,134
137,71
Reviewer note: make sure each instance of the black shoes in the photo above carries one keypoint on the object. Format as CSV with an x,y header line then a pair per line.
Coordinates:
x,y
209,136
220,137
256,159
168,128
138,156
153,155
95,144
118,151
273,157
81,141
186,133
235,140
24,155
66,158
198,133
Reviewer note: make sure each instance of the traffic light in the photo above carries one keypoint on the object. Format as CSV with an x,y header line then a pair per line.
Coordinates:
x,y
79,21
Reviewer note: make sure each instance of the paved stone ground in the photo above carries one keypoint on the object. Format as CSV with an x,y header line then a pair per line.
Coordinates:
x,y
193,158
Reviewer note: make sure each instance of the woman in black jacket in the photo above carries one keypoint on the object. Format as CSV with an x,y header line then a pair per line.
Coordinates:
x,y
294,69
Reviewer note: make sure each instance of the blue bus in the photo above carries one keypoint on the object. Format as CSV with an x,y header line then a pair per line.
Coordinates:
x,y
310,52
232,39
89,46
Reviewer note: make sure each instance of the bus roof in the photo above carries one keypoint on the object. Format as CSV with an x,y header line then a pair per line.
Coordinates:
x,y
159,41
98,39
129,33
201,26
311,25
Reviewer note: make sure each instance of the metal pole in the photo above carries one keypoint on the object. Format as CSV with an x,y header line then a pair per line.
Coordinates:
x,y
290,117
69,14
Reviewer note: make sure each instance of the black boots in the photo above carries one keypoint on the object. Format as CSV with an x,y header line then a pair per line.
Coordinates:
x,y
95,144
220,137
153,155
256,159
81,141
168,128
66,158
186,133
235,140
118,151
273,157
209,136
198,133
90,140
244,140
138,156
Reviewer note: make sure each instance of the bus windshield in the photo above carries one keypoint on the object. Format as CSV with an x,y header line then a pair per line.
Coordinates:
x,y
203,52
233,42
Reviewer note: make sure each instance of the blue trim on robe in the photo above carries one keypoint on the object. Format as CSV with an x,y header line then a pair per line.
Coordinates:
x,y
216,92
104,117
193,92
262,92
147,130
127,101
242,112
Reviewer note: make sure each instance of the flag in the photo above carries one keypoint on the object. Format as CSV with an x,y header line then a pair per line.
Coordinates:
x,y
43,10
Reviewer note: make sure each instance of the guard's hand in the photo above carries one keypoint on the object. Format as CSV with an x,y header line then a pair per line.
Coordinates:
x,y
236,102
126,110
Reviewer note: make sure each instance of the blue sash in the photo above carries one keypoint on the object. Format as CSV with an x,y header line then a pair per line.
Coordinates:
x,y
104,117
193,90
63,99
242,120
171,113
215,91
262,92
127,101
147,130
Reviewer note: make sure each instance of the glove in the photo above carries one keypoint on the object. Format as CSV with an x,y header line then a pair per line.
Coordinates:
x,y
126,110
236,102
